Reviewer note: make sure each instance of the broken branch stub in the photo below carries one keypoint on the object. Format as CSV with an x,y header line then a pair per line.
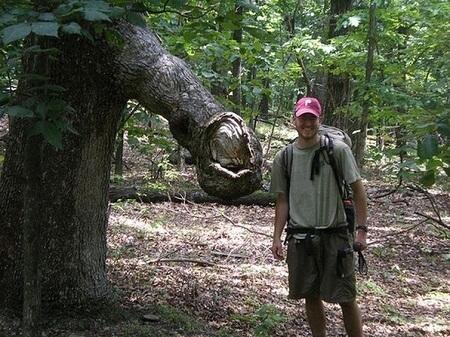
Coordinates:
x,y
229,160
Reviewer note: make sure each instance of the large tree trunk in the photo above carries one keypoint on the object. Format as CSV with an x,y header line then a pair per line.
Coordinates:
x,y
236,70
360,145
99,80
74,185
338,86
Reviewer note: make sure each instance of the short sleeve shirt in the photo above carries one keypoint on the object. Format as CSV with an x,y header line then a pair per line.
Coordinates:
x,y
314,203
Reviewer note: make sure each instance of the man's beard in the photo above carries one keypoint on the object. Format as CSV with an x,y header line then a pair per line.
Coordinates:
x,y
309,136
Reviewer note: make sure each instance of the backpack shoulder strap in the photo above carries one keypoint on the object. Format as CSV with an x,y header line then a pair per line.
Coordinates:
x,y
329,149
288,153
342,185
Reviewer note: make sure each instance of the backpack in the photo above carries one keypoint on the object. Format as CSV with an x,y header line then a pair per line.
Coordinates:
x,y
328,134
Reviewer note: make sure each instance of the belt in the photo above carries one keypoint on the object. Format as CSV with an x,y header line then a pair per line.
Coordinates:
x,y
313,231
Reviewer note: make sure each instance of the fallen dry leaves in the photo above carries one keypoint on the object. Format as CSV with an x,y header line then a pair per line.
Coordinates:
x,y
156,255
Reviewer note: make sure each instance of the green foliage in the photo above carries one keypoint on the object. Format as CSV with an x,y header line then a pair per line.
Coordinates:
x,y
264,320
267,318
394,315
281,39
138,329
45,106
178,319
371,287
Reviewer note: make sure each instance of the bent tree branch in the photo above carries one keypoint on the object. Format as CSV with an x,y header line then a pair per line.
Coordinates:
x,y
226,152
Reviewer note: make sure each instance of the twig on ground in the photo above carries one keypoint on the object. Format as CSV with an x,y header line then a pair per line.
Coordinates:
x,y
433,203
229,219
389,192
438,221
388,243
187,260
395,234
192,214
230,254
244,227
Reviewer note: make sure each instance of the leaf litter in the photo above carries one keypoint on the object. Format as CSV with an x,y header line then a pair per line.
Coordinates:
x,y
214,263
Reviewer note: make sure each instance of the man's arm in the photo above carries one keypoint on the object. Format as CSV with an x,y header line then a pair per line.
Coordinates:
x,y
281,216
360,199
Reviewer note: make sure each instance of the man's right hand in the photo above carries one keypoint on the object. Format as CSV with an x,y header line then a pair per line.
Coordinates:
x,y
277,249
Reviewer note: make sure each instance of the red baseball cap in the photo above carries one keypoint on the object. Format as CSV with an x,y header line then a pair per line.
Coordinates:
x,y
307,105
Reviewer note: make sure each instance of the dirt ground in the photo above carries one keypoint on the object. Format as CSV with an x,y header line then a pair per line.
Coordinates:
x,y
213,262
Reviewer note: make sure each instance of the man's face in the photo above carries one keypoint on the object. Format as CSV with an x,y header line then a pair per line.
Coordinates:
x,y
307,125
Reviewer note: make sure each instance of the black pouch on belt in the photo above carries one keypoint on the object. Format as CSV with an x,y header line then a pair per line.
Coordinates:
x,y
341,256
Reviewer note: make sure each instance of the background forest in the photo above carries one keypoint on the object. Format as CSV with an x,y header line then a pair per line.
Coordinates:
x,y
183,267
390,78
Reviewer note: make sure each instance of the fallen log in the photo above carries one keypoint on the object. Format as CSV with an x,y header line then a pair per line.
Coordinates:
x,y
116,193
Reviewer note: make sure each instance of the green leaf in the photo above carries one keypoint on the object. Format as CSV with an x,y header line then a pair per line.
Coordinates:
x,y
45,28
248,5
447,171
16,32
50,132
94,15
114,38
57,105
6,19
19,111
98,5
136,19
41,110
63,10
428,179
116,12
256,32
47,17
428,147
177,3
87,35
443,129
4,98
354,21
71,28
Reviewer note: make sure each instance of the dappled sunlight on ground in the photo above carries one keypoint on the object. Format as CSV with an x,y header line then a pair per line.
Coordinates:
x,y
214,262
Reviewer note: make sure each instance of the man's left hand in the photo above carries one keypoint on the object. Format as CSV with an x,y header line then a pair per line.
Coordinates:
x,y
360,240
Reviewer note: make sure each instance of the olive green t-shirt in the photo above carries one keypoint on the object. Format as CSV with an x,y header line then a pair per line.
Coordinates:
x,y
314,203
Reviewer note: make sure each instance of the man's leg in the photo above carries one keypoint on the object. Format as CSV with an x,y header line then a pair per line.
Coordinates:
x,y
352,319
315,315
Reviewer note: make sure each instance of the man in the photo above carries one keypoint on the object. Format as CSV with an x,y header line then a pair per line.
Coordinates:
x,y
320,256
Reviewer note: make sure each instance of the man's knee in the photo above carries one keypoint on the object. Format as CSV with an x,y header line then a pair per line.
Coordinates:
x,y
349,305
313,301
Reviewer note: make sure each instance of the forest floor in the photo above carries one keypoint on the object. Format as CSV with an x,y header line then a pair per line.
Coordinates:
x,y
211,265
184,269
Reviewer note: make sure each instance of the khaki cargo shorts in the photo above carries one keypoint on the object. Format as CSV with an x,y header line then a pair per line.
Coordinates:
x,y
322,267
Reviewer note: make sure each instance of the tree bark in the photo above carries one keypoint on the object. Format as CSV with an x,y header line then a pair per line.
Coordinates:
x,y
99,80
74,184
360,145
236,70
117,193
265,100
226,152
32,237
118,156
338,86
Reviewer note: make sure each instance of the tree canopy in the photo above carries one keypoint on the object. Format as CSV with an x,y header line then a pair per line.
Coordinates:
x,y
284,50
